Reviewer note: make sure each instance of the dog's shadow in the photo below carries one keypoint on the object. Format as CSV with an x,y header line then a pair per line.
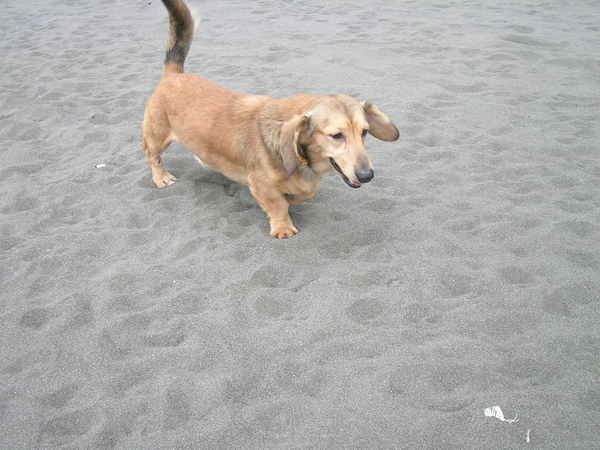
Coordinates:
x,y
209,187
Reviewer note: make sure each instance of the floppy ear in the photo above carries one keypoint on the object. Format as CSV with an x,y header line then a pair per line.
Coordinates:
x,y
379,125
288,142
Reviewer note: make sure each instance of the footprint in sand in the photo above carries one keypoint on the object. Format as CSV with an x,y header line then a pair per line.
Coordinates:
x,y
515,275
65,427
350,243
302,378
365,311
274,303
590,400
35,318
432,385
61,397
566,300
177,409
135,333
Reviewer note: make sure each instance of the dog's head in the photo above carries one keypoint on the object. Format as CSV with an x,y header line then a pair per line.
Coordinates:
x,y
331,135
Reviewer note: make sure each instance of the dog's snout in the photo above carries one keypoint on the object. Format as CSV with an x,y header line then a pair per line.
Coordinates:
x,y
364,175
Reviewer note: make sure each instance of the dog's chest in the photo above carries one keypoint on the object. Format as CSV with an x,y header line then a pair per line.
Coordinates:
x,y
203,164
302,182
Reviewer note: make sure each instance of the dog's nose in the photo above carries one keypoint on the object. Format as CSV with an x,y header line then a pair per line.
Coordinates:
x,y
364,175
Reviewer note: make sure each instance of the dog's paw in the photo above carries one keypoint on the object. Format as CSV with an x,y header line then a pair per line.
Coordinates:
x,y
284,232
164,180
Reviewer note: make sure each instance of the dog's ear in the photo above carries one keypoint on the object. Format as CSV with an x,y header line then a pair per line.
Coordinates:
x,y
289,136
379,125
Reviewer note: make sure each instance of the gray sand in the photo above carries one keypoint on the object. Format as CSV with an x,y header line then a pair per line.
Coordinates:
x,y
465,275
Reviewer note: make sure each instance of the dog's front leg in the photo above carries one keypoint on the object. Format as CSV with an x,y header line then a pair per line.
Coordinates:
x,y
276,206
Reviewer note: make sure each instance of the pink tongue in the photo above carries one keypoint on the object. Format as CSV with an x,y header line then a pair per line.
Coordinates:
x,y
356,183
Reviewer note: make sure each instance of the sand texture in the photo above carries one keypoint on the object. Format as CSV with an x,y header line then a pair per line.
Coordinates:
x,y
465,275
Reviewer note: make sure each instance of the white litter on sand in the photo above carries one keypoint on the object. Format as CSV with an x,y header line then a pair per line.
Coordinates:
x,y
496,411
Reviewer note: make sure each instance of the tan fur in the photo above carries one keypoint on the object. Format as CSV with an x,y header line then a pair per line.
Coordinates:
x,y
279,148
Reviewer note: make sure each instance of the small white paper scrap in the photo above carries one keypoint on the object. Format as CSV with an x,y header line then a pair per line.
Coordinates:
x,y
100,166
496,411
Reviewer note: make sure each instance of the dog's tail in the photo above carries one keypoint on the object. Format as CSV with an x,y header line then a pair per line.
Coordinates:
x,y
181,32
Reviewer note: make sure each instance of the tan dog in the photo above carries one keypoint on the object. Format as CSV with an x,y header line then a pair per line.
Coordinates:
x,y
280,148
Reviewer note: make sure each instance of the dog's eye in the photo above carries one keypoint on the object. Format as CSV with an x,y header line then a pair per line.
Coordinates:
x,y
337,136
364,133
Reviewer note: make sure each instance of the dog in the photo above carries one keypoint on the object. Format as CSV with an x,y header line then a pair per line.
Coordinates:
x,y
279,148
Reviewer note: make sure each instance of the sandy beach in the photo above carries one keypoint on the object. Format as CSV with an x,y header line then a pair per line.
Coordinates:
x,y
466,275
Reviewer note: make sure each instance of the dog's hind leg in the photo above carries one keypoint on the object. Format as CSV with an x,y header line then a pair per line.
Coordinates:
x,y
154,143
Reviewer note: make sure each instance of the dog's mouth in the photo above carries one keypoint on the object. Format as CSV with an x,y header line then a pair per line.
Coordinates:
x,y
348,181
